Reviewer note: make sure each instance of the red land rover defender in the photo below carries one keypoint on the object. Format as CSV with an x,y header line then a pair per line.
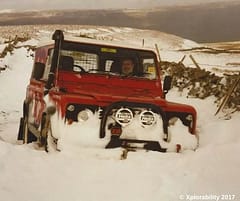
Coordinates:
x,y
76,78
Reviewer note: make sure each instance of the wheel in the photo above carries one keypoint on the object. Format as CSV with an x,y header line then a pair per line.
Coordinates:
x,y
27,135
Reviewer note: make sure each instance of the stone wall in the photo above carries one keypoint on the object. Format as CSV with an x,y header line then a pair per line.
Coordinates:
x,y
200,83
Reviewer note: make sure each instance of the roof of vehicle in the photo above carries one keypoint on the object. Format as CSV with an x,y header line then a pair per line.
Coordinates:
x,y
122,44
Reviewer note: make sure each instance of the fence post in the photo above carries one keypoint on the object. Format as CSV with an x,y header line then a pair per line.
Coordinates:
x,y
194,61
228,94
182,59
156,46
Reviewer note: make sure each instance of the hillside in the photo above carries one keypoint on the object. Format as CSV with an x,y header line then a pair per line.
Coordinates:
x,y
209,22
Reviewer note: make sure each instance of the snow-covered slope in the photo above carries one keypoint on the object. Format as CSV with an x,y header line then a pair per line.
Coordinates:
x,y
90,173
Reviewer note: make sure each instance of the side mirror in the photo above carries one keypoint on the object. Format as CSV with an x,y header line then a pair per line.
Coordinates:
x,y
77,69
167,84
38,70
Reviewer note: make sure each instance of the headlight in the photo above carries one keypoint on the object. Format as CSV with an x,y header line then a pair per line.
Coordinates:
x,y
124,116
71,108
84,115
147,118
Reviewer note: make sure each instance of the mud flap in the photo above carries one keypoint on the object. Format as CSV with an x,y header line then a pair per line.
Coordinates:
x,y
46,138
51,143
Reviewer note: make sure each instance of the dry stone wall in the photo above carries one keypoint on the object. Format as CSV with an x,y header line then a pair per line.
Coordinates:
x,y
200,83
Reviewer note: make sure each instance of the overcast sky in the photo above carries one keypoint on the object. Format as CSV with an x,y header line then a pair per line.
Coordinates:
x,y
91,4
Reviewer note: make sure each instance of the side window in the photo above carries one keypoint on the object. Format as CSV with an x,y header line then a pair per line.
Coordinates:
x,y
149,68
85,60
38,70
88,61
108,65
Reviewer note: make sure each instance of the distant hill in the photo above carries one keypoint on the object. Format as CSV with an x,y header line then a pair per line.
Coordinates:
x,y
213,22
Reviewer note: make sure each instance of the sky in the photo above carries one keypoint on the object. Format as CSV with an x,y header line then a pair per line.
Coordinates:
x,y
91,4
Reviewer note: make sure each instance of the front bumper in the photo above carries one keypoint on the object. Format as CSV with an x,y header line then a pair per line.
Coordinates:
x,y
115,142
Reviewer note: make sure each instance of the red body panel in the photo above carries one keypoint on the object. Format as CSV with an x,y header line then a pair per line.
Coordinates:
x,y
42,53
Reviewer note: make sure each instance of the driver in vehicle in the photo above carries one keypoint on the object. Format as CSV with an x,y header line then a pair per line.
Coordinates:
x,y
127,67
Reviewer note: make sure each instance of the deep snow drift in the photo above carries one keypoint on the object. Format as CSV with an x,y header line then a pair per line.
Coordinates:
x,y
91,173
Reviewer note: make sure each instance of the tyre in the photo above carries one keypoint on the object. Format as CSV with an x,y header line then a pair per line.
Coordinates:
x,y
27,136
20,131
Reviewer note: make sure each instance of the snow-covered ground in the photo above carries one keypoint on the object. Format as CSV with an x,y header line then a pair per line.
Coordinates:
x,y
90,173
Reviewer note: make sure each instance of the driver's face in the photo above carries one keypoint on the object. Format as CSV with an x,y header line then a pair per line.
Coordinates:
x,y
127,66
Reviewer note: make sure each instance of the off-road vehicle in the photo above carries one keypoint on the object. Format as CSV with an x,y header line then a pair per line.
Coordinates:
x,y
76,79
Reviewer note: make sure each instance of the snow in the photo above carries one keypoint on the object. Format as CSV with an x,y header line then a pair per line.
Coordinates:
x,y
7,11
86,171
2,46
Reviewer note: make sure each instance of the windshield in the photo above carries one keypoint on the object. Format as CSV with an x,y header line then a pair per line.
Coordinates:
x,y
96,59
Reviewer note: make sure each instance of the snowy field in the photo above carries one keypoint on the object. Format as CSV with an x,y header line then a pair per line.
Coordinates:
x,y
90,173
